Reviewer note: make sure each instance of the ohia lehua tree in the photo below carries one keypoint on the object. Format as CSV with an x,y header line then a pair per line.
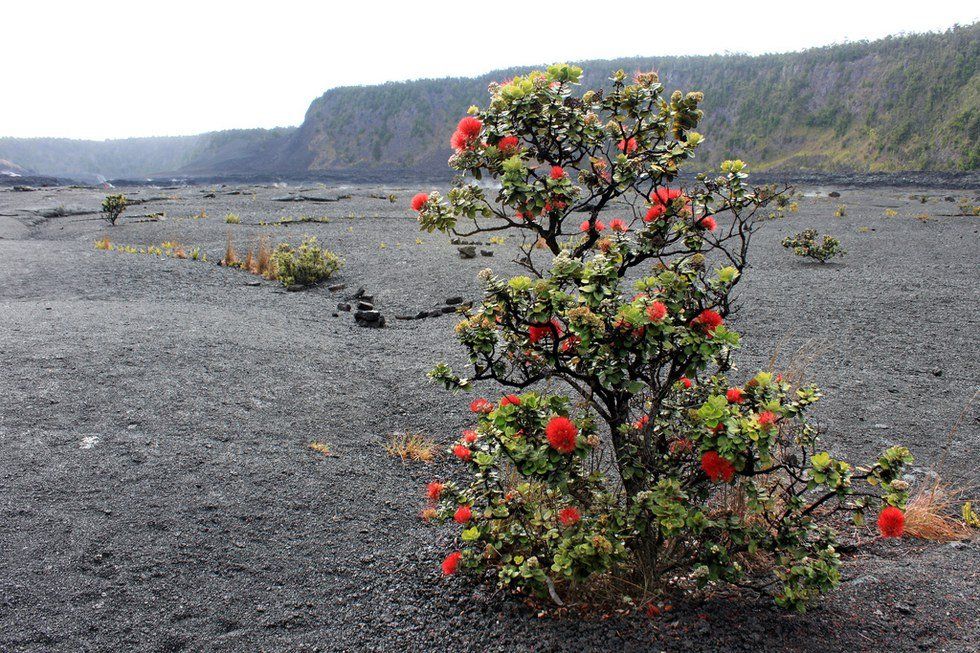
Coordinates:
x,y
625,443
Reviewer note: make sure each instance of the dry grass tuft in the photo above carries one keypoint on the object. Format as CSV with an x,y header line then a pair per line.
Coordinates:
x,y
322,448
932,514
231,256
412,446
263,259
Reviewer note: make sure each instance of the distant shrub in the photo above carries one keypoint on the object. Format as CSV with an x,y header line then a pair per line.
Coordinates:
x,y
112,208
805,244
841,211
231,218
304,265
890,213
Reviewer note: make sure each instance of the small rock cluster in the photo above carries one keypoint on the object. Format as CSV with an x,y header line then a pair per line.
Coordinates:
x,y
451,305
467,248
362,304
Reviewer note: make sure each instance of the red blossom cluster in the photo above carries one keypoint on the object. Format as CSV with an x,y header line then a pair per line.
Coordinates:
x,y
617,224
508,144
538,332
419,201
510,400
716,467
481,406
735,396
656,311
562,434
569,516
585,226
707,320
467,133
891,522
627,145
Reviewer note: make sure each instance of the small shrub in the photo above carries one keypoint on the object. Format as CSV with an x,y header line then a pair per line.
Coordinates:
x,y
412,446
966,208
841,211
660,466
304,265
804,244
103,244
231,218
392,198
112,208
890,213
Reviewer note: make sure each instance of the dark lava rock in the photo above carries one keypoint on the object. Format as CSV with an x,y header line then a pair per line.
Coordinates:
x,y
364,306
448,309
294,288
372,319
453,301
253,283
833,193
486,252
469,251
336,287
422,315
343,306
209,196
367,298
359,292
436,312
405,317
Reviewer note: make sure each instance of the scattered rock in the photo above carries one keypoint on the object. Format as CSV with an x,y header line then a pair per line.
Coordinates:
x,y
364,306
372,319
406,317
209,196
23,189
336,287
253,282
937,372
486,252
448,309
366,298
468,251
453,301
358,292
833,193
436,312
343,306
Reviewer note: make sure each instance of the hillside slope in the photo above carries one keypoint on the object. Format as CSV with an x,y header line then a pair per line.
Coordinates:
x,y
898,104
901,103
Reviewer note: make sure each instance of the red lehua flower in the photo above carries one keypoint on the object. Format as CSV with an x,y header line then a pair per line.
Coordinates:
x,y
618,225
457,141
641,423
891,522
463,515
507,144
708,320
562,434
663,195
469,437
598,226
654,212
462,452
686,382
451,563
680,446
627,145
538,332
656,311
469,127
569,516
481,405
419,201
734,396
716,467
708,223
434,490
557,172
570,342
767,418
510,399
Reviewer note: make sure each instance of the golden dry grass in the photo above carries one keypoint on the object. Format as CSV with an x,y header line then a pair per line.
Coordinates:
x,y
322,448
231,256
412,447
933,513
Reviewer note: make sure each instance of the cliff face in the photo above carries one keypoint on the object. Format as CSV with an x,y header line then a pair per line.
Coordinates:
x,y
901,103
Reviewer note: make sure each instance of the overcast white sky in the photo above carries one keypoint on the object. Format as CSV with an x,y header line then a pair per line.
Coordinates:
x,y
111,69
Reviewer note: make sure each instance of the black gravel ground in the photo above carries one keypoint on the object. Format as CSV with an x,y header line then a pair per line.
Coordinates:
x,y
157,491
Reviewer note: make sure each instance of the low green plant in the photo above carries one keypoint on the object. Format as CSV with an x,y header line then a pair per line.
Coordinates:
x,y
841,211
112,207
805,244
231,218
303,265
